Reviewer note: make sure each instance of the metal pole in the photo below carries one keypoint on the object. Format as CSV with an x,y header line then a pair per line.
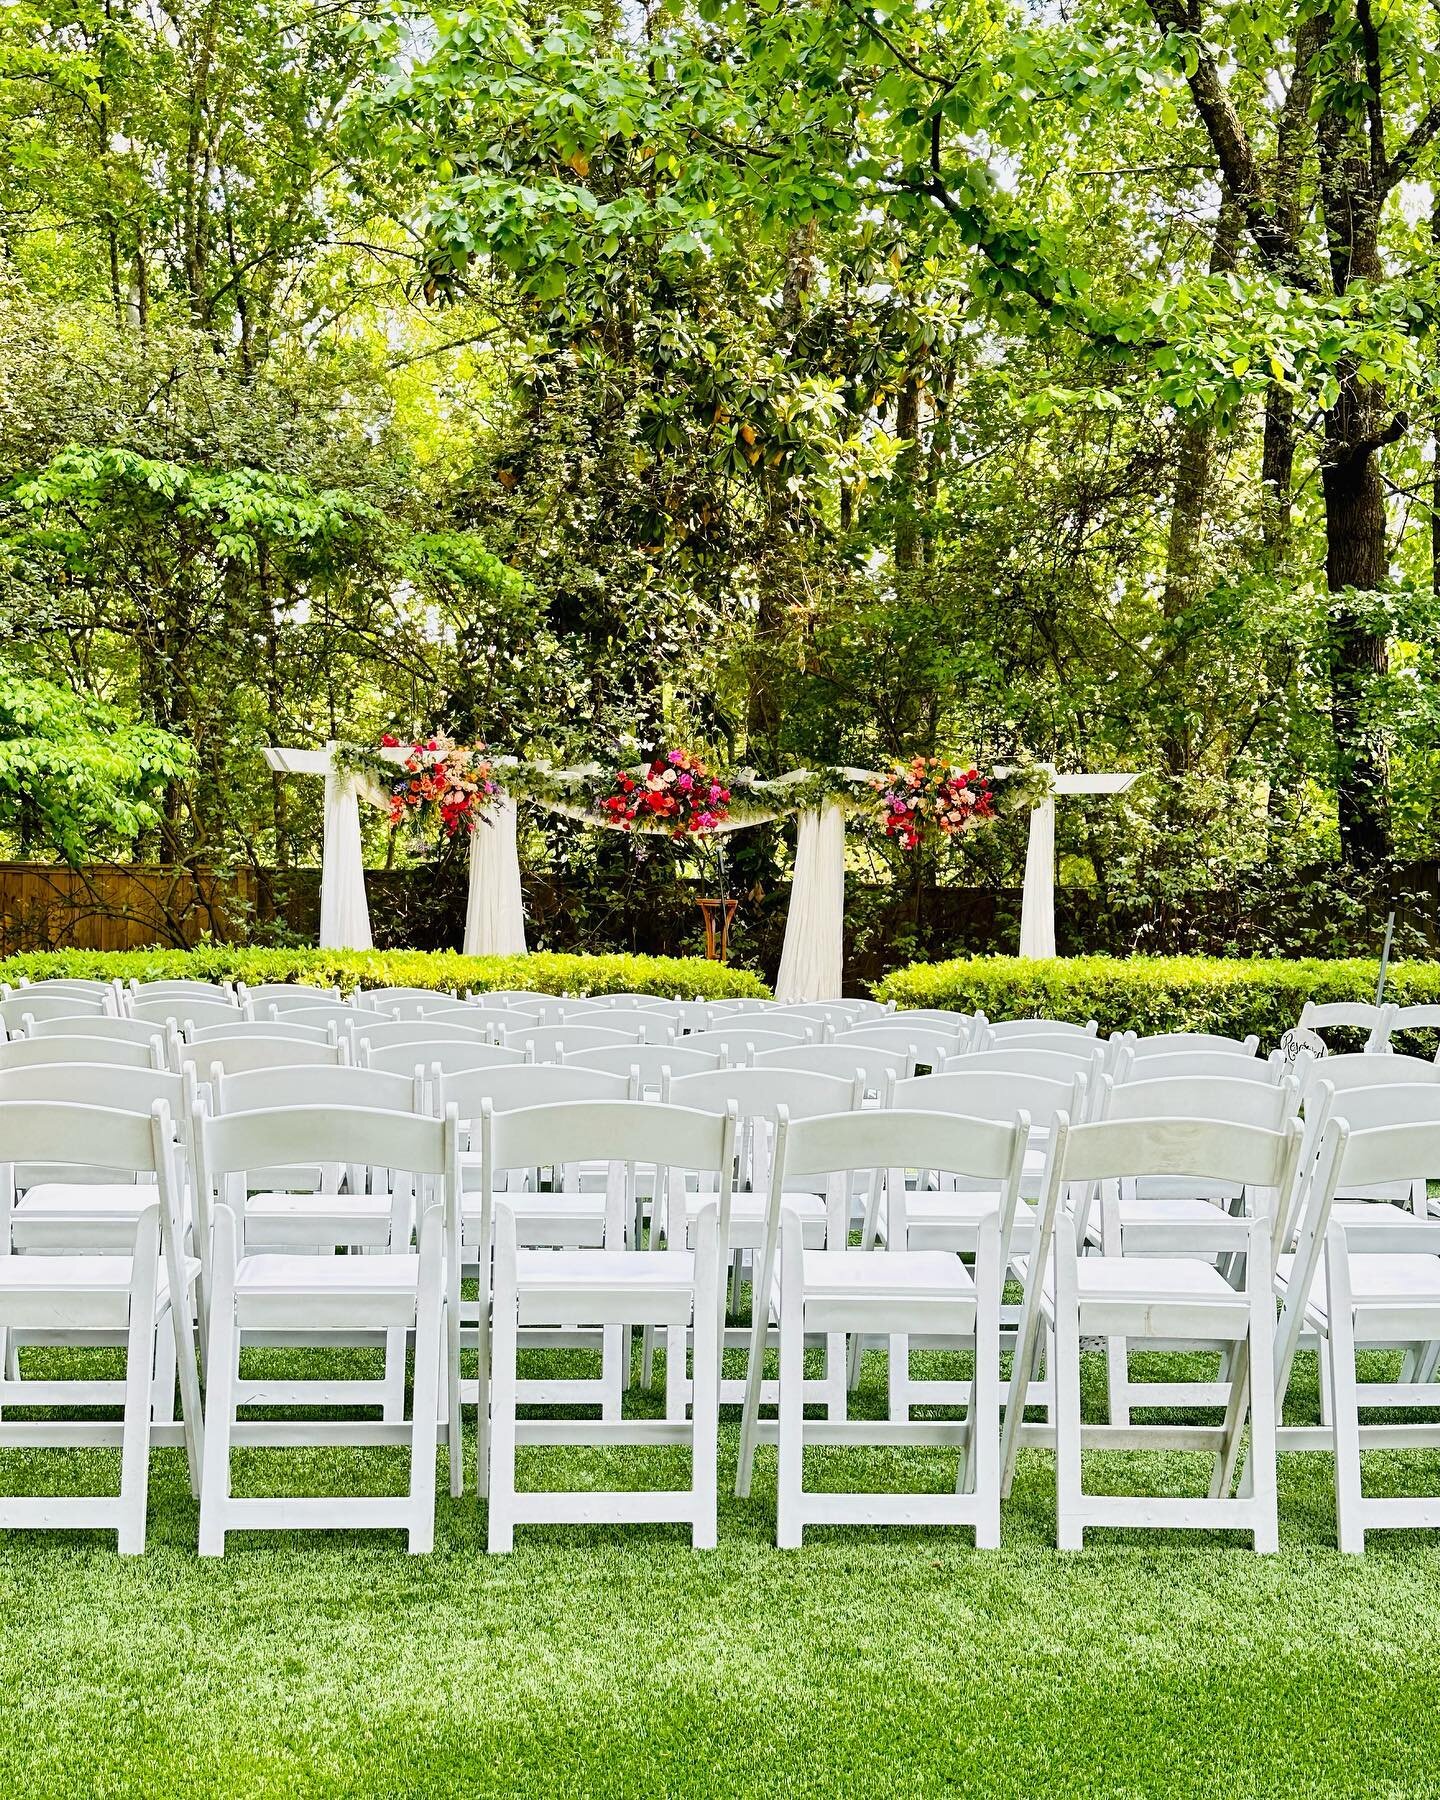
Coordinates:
x,y
1385,956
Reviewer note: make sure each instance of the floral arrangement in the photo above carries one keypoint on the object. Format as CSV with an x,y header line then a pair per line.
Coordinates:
x,y
929,797
676,794
438,787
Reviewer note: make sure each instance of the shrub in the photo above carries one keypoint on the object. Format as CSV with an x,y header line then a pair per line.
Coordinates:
x,y
1155,993
681,977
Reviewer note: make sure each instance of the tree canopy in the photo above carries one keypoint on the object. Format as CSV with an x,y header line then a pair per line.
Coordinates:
x,y
804,379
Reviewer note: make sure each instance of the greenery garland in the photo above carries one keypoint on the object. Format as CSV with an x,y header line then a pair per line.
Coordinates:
x,y
581,790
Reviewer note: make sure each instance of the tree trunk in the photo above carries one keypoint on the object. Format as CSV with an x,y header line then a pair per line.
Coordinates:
x,y
1355,558
1277,473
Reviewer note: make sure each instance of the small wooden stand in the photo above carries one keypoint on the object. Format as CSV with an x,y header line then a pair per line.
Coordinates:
x,y
717,914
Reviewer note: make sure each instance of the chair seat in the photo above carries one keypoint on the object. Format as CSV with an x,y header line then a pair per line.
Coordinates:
x,y
1376,1280
280,1220
605,1269
604,1287
917,1274
76,1199
1161,1278
324,1206
275,1273
77,1274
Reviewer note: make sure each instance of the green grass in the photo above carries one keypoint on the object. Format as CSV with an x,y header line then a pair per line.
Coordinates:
x,y
873,1663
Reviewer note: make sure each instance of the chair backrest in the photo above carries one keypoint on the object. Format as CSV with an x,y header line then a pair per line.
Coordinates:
x,y
28,1053
554,1009
1052,1063
1377,1022
264,1028
127,1031
649,1060
1397,1103
84,1136
1116,1149
109,1085
229,1145
740,1042
1237,1102
645,1025
927,1045
378,998
186,1010
885,1143
1000,1029
1166,1043
997,1094
337,1013
1414,1018
550,1043
613,1131
433,1006
1203,1064
525,998
1364,1069
381,1034
775,1019
528,1084
839,1013
167,990
849,1061
57,984
429,1053
315,1084
633,1002
44,1007
761,1093
284,996
233,1054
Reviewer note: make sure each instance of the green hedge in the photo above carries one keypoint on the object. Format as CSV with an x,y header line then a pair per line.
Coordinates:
x,y
1155,993
682,977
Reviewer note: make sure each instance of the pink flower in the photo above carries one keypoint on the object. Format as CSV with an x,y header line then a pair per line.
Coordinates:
x,y
685,783
714,793
672,756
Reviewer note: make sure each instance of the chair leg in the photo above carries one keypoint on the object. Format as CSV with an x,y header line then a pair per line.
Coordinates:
x,y
162,1397
837,1386
1069,1533
393,1405
705,1391
675,1336
223,1362
614,1370
453,1407
425,1405
899,1379
140,1351
980,1468
501,1523
789,1526
182,1329
1345,1400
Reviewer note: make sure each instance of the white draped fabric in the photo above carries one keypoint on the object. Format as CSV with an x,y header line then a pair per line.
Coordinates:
x,y
1037,903
810,962
495,911
344,910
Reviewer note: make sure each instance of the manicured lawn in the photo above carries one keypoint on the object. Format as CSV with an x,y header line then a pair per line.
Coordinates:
x,y
618,1662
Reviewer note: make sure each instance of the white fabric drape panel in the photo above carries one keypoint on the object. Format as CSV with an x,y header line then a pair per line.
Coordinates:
x,y
810,962
495,911
344,910
1037,905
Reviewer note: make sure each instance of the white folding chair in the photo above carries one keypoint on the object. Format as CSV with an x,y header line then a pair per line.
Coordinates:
x,y
1226,1065
1360,1285
1166,1298
132,1294
179,989
613,1286
1050,1063
841,1291
756,1096
390,1032
320,1297
1168,1043
273,1028
989,1032
116,1031
276,998
554,1209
